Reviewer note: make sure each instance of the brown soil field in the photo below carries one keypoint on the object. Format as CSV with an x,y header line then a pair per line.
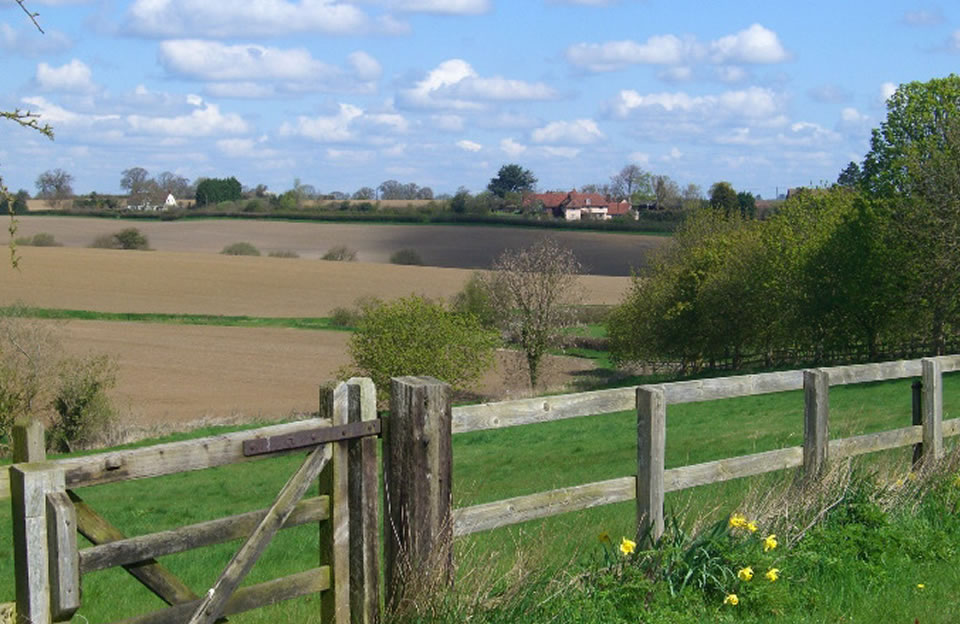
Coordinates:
x,y
178,376
195,283
468,247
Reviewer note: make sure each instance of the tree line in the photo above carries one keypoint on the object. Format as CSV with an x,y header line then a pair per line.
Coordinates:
x,y
867,269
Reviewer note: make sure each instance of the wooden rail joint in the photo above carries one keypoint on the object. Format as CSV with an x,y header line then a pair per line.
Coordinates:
x,y
311,437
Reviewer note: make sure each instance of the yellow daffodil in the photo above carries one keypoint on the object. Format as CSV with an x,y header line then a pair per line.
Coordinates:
x,y
604,538
737,521
920,586
911,476
752,526
769,542
745,574
731,599
772,574
627,546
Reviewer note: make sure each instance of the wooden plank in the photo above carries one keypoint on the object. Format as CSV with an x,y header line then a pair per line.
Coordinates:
x,y
30,484
364,491
153,575
141,548
334,536
212,605
733,468
417,468
247,598
949,363
651,450
872,442
541,409
816,419
730,387
519,509
63,560
932,403
916,417
865,373
171,458
951,427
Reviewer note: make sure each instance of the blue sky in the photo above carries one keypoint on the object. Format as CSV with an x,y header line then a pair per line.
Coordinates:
x,y
340,94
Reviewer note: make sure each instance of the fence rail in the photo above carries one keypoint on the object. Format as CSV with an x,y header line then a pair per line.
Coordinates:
x,y
496,514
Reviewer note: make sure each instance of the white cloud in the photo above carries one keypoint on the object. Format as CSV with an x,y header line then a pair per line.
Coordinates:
x,y
255,66
74,77
228,18
732,73
346,125
205,120
953,43
852,115
245,148
830,93
754,102
924,18
454,84
51,113
754,45
350,156
511,147
469,146
442,7
640,158
448,123
887,89
579,131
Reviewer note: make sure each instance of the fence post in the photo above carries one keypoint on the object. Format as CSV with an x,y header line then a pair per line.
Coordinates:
x,y
916,413
417,470
651,450
29,442
816,418
363,493
335,531
932,410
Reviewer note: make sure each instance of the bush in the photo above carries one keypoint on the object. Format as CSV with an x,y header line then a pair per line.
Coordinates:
x,y
344,317
406,256
41,239
475,299
129,238
28,353
417,336
83,412
340,253
284,253
240,249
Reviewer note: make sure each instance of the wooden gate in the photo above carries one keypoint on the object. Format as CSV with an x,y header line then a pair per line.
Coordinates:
x,y
48,514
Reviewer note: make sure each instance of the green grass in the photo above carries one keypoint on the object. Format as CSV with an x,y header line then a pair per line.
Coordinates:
x,y
488,466
324,323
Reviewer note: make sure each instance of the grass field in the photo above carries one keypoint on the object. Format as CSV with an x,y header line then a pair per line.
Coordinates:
x,y
547,456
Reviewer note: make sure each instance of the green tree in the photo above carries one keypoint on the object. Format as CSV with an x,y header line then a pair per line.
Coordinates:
x,y
416,336
212,191
748,204
533,290
724,199
850,176
634,184
136,181
916,126
512,178
459,202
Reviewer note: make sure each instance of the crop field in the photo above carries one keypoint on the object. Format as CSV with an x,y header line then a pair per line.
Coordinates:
x,y
470,247
179,374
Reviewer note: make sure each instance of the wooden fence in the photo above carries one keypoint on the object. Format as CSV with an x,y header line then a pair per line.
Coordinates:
x,y
419,523
48,513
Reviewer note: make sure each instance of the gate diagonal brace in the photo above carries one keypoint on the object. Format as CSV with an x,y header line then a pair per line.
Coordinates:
x,y
311,437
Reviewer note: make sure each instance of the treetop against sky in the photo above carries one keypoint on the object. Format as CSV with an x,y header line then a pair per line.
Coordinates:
x,y
344,94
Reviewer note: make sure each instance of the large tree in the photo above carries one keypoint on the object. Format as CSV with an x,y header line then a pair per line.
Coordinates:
x,y
54,185
724,199
634,184
216,190
512,178
136,181
532,290
918,118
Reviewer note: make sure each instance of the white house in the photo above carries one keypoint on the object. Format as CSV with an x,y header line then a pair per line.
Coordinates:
x,y
170,203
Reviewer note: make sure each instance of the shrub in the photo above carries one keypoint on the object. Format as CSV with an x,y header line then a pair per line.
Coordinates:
x,y
83,412
340,253
475,299
129,238
344,317
41,239
28,353
406,256
417,336
240,249
284,253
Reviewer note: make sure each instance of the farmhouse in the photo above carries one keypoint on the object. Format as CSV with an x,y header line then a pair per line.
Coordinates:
x,y
574,206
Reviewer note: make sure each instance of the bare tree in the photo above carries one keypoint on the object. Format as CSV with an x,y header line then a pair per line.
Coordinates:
x,y
54,185
632,183
532,290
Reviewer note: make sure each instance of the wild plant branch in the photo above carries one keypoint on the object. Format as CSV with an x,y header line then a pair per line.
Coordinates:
x,y
33,16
